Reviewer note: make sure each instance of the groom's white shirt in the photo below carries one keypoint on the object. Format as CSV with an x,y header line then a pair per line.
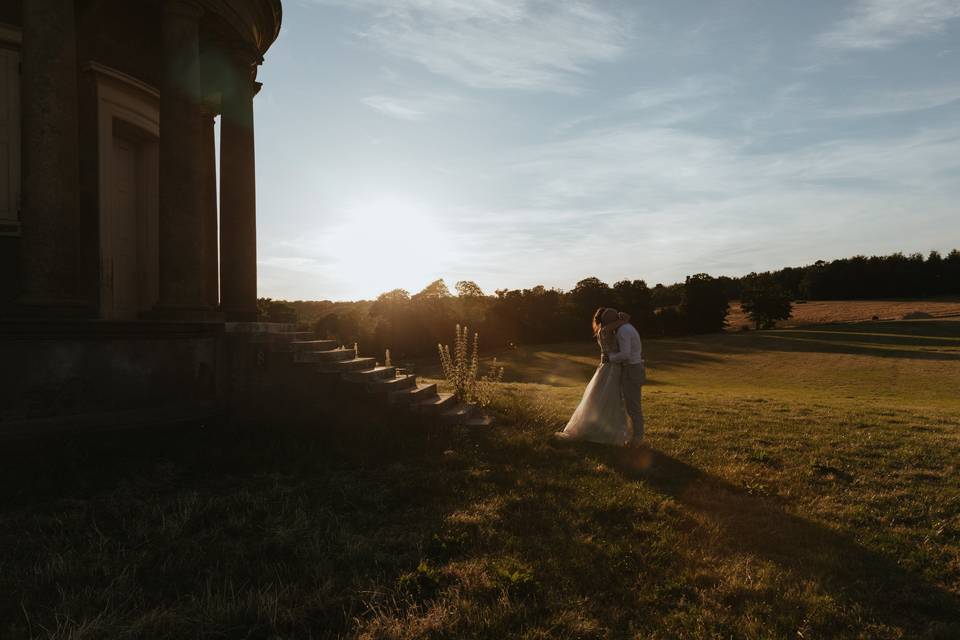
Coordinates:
x,y
629,349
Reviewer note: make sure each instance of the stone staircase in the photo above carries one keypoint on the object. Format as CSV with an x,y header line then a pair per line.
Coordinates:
x,y
393,387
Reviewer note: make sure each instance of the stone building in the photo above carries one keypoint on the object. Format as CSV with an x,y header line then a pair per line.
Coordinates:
x,y
121,270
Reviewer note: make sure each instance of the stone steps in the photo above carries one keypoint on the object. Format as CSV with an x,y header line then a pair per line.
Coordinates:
x,y
459,414
330,355
353,364
398,389
282,337
412,394
371,375
312,345
436,404
294,335
397,383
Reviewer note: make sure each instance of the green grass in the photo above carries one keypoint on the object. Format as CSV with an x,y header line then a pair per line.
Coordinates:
x,y
801,484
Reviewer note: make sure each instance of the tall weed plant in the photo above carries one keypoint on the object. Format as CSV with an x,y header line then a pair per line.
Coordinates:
x,y
461,368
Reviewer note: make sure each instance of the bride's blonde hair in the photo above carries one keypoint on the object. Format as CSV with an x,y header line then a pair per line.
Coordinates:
x,y
598,320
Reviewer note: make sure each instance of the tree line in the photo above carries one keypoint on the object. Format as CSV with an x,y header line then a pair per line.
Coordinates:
x,y
413,324
865,278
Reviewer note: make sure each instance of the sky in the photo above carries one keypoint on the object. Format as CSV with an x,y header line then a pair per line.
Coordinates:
x,y
525,142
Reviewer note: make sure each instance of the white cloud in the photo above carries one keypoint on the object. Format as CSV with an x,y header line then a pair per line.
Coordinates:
x,y
662,106
641,168
539,45
394,108
895,102
690,88
415,108
880,24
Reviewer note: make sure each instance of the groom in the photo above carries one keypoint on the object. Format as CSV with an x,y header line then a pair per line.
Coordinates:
x,y
629,354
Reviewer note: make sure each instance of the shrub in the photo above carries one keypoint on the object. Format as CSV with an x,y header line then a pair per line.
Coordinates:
x,y
461,369
487,386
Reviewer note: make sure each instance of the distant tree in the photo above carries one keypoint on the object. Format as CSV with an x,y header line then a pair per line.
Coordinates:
x,y
666,296
327,326
635,297
270,310
431,314
390,303
468,289
765,302
471,306
434,291
732,287
934,274
951,273
589,294
704,306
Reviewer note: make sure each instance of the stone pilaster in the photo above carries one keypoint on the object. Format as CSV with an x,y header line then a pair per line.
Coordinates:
x,y
210,231
50,160
183,272
238,195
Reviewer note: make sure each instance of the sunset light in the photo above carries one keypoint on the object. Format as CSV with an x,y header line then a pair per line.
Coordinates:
x,y
386,243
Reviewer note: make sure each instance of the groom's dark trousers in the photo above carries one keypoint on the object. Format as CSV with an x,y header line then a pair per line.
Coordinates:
x,y
631,382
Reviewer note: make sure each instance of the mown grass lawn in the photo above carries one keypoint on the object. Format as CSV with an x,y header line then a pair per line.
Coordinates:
x,y
801,484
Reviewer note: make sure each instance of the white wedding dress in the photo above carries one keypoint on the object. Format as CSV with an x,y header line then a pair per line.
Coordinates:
x,y
601,417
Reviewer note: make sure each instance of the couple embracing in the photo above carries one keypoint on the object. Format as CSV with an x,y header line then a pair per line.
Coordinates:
x,y
610,411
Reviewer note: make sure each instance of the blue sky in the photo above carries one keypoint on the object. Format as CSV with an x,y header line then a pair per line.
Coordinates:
x,y
524,142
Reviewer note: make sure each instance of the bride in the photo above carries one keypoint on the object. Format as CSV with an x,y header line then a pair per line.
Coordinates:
x,y
601,417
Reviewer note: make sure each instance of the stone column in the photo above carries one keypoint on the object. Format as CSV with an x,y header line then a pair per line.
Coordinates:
x,y
183,272
238,195
210,233
50,159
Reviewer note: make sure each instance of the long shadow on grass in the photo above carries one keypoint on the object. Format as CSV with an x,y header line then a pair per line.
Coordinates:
x,y
918,340
667,354
852,343
757,526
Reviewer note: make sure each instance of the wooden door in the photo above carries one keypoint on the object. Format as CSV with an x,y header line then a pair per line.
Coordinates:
x,y
124,234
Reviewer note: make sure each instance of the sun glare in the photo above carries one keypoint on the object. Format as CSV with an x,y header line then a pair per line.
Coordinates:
x,y
389,243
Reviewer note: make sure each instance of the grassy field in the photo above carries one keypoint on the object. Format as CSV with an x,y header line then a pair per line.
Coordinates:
x,y
801,484
826,311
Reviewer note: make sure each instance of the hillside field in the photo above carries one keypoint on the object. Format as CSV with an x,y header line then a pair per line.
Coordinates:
x,y
801,483
832,311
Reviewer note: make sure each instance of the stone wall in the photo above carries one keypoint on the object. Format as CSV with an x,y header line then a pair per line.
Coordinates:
x,y
69,375
122,35
10,13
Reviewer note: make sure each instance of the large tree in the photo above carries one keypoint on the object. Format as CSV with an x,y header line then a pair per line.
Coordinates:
x,y
635,297
704,306
590,294
765,303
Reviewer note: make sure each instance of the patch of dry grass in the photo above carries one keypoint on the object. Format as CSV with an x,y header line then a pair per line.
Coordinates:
x,y
840,311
